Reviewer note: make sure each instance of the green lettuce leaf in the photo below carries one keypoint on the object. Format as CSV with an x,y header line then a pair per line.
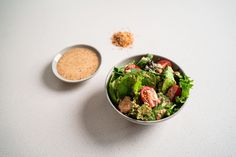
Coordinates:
x,y
112,91
124,85
117,72
129,84
149,79
185,84
137,87
144,60
165,108
168,79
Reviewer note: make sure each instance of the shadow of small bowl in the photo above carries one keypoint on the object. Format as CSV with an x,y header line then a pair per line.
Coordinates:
x,y
60,54
125,62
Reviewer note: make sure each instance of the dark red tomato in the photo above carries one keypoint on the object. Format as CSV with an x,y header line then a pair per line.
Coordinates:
x,y
173,92
165,63
149,96
129,67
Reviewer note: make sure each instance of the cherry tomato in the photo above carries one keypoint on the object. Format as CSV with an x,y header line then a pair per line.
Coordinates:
x,y
149,96
165,63
129,67
173,92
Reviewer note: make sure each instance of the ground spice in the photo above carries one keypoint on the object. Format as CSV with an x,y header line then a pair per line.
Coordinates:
x,y
78,63
122,39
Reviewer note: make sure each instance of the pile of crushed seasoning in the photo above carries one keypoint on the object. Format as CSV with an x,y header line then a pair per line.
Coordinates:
x,y
122,39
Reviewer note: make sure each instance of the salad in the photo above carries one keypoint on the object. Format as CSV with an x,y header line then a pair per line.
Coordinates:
x,y
148,89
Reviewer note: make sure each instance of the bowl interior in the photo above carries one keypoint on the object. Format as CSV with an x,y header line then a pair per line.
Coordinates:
x,y
125,62
60,54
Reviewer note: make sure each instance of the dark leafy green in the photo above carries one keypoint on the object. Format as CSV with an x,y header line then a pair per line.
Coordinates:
x,y
145,60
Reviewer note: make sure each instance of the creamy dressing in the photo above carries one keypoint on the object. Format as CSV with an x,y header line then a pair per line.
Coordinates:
x,y
78,63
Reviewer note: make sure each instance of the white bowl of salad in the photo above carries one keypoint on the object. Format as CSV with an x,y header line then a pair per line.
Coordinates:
x,y
147,89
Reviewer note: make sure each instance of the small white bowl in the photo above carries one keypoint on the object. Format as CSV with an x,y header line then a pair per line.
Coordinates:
x,y
60,54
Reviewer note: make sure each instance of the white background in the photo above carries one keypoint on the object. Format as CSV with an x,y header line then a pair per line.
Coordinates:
x,y
41,116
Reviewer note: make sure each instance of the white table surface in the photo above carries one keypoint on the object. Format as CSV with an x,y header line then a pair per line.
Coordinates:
x,y
41,116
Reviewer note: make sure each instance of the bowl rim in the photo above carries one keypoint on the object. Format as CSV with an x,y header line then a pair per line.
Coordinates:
x,y
57,57
125,116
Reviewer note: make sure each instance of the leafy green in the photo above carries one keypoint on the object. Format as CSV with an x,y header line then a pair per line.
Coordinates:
x,y
112,91
144,60
165,108
130,84
119,84
145,113
185,84
149,79
124,85
170,109
152,67
168,79
137,87
117,72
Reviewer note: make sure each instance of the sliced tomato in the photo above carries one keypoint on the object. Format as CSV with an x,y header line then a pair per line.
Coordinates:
x,y
165,63
173,92
129,67
149,96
